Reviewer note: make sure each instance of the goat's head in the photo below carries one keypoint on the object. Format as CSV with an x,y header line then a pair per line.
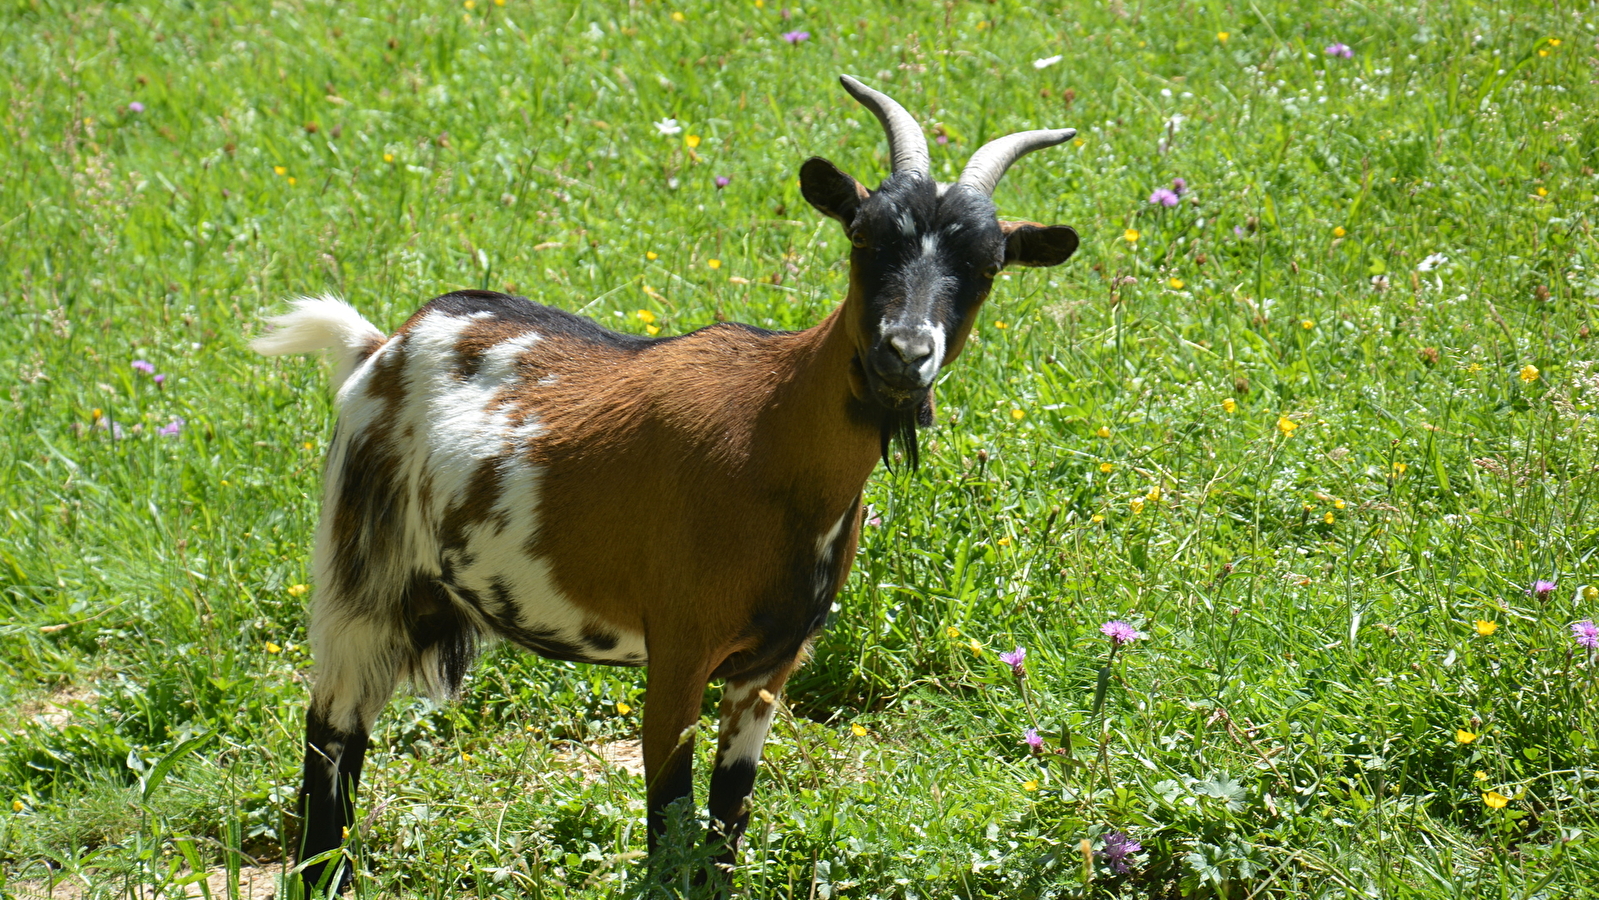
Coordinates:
x,y
924,258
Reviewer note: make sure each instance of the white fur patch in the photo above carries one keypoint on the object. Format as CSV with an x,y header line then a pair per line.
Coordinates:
x,y
745,735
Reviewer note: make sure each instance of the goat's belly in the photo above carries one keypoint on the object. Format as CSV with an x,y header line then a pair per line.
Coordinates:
x,y
524,606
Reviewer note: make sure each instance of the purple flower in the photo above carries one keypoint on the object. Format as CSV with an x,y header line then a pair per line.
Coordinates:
x,y
140,365
1586,633
1031,738
1542,589
942,139
1341,50
173,429
1016,659
1118,847
1164,197
160,378
135,107
1178,185
1238,231
794,37
723,181
784,13
1119,632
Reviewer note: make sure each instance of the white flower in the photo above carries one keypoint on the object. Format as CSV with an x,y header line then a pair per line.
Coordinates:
x,y
1431,262
1046,62
668,127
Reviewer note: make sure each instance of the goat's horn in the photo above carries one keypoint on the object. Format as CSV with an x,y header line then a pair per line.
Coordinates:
x,y
989,163
906,143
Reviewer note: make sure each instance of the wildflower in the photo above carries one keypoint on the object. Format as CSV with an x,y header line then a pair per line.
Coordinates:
x,y
140,365
1338,231
1543,192
953,632
645,316
135,107
723,181
1106,468
679,17
1554,42
297,590
1118,847
1222,36
668,127
1001,326
623,708
691,141
858,730
1329,518
1103,432
1030,785
1047,61
1339,50
1017,414
1400,468
1229,405
1031,738
1462,736
1175,284
279,170
651,255
1130,235
714,263
173,428
1120,632
1286,425
159,378
272,648
1164,197
1586,634
1589,593
1485,627
1097,519
795,37
1179,186
1307,324
1016,659
942,139
1494,799
977,647
1542,589
16,806
1433,261
1528,373
1481,775
1137,504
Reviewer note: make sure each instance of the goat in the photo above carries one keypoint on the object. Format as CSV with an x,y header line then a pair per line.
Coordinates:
x,y
506,469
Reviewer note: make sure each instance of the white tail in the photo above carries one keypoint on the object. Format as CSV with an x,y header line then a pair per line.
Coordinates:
x,y
322,323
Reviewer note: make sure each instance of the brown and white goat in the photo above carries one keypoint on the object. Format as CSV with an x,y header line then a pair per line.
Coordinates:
x,y
505,469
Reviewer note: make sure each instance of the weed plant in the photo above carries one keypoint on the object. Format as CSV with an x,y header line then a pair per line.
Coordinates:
x,y
1310,415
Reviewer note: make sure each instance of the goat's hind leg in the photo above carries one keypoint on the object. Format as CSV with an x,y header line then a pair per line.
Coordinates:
x,y
359,658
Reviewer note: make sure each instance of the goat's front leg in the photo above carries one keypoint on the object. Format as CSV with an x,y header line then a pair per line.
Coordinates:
x,y
672,694
748,705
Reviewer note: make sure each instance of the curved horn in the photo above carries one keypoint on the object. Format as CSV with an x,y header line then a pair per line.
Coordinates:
x,y
906,143
989,163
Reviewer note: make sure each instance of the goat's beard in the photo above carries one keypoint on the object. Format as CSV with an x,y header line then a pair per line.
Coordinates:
x,y
898,426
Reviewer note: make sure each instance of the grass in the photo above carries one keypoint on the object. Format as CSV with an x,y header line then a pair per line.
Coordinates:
x,y
1313,431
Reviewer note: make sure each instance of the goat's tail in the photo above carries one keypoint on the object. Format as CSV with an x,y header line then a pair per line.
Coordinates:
x,y
322,323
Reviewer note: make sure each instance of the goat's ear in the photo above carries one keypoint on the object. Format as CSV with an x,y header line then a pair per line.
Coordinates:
x,y
1032,244
831,191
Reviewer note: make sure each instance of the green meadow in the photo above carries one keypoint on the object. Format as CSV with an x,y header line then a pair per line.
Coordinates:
x,y
1319,425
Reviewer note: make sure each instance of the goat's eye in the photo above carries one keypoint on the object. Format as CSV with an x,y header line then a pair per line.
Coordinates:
x,y
991,272
858,239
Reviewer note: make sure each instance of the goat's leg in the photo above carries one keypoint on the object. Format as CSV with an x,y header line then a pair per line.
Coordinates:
x,y
357,663
672,695
745,719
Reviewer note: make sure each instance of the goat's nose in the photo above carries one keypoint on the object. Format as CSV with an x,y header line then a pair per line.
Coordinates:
x,y
912,348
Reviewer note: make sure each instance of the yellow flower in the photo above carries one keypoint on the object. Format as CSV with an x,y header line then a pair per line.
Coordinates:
x,y
280,170
1079,142
293,181
297,590
678,17
1543,192
1030,785
1097,519
1004,541
1338,504
1328,518
760,4
1001,326
1137,503
1401,468
16,806
1554,42
1481,775
388,157
499,2
470,4
644,316
1222,36
858,730
714,263
1307,324
1153,495
1462,736
652,330
273,648
1107,468
1529,373
1130,235
1175,284
1286,425
1017,414
692,140
1485,627
623,708
96,413
466,757
1543,52
977,648
308,445
1229,405
953,632
1590,593
1339,231
651,255
1103,432
1494,799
